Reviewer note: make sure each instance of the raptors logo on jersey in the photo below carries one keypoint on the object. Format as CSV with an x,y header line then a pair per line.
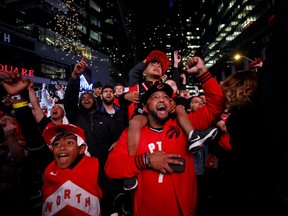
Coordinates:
x,y
173,132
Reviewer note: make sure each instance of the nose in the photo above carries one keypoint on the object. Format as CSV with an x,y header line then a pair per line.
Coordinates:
x,y
161,99
63,145
157,64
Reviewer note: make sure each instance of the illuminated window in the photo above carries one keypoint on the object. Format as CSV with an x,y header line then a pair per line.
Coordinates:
x,y
82,28
96,36
54,70
95,6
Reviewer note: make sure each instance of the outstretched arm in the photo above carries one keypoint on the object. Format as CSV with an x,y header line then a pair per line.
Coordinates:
x,y
215,101
175,69
38,112
38,150
72,91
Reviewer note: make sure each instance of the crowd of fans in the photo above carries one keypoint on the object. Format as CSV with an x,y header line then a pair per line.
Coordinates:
x,y
151,150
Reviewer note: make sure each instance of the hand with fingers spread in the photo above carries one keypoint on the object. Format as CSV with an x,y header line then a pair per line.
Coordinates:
x,y
177,59
79,68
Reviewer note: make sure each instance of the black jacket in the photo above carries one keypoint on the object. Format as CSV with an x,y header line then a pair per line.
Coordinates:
x,y
101,131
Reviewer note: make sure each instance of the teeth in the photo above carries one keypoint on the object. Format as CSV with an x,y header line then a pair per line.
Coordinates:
x,y
161,107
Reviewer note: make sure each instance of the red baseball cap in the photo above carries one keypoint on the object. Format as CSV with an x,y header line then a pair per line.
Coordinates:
x,y
160,57
50,133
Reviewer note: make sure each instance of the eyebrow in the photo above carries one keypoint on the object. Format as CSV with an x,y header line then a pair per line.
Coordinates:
x,y
64,135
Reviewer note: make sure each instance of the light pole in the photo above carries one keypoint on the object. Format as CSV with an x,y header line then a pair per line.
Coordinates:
x,y
246,64
237,57
254,64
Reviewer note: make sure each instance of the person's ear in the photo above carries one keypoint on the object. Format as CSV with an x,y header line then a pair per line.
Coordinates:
x,y
82,148
144,73
145,109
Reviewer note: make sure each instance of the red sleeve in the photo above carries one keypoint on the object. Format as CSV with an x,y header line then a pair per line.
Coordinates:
x,y
215,103
224,141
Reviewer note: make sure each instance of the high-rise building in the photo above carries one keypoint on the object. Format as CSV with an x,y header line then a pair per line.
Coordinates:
x,y
49,36
234,27
116,35
215,30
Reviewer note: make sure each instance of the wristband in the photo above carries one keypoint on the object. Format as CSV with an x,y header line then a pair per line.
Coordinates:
x,y
147,160
20,104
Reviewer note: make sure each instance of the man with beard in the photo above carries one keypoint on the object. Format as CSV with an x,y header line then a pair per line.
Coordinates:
x,y
162,143
119,121
103,124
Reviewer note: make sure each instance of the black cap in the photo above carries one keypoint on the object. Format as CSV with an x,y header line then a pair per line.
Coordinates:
x,y
158,87
97,84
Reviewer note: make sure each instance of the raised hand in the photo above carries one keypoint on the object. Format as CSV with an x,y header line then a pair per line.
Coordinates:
x,y
14,83
195,65
79,68
177,58
164,78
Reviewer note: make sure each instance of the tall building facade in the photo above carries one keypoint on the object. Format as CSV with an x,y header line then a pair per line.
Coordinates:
x,y
114,35
49,36
214,30
234,27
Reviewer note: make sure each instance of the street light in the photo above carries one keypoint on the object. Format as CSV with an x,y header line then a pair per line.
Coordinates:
x,y
237,57
254,64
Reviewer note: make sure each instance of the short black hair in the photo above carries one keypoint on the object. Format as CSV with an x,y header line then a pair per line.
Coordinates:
x,y
108,86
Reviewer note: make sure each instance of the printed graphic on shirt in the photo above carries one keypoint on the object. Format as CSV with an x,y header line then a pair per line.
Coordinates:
x,y
70,194
173,132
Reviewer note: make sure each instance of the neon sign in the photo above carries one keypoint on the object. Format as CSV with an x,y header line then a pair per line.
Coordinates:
x,y
10,69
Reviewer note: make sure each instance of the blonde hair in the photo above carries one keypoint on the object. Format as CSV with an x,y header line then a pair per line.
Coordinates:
x,y
240,88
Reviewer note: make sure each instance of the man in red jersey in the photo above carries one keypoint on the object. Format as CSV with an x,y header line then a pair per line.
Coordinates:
x,y
161,140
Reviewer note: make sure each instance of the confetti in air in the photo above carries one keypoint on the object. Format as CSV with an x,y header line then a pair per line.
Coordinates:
x,y
67,28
